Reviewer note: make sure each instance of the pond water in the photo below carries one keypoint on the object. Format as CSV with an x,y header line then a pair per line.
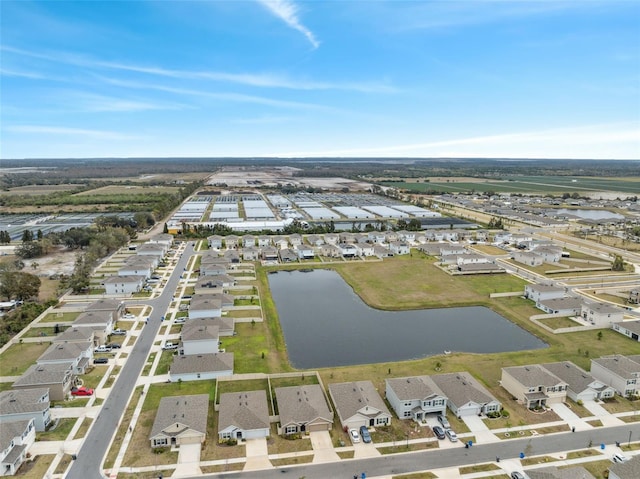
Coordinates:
x,y
326,324
592,214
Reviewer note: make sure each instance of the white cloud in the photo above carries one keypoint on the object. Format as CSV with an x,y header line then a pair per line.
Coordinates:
x,y
287,11
77,132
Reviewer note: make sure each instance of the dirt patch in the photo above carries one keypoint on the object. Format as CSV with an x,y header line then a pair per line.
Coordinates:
x,y
59,262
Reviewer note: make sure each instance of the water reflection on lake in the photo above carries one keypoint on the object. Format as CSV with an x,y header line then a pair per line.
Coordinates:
x,y
326,324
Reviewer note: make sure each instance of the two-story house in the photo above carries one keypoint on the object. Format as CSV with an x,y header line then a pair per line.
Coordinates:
x,y
415,397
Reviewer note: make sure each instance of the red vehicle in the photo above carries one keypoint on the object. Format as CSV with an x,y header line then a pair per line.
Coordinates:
x,y
81,391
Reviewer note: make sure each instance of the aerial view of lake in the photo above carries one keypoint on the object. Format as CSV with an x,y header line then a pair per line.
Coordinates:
x,y
592,214
326,324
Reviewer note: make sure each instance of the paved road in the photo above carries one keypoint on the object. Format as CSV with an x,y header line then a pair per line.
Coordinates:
x,y
436,459
96,444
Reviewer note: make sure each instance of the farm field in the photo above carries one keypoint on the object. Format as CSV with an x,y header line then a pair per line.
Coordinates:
x,y
128,190
39,189
525,184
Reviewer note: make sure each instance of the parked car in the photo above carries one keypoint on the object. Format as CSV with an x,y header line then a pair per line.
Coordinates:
x,y
129,316
180,320
364,433
81,391
619,458
114,345
355,437
102,349
453,437
169,345
439,432
517,475
442,419
119,332
101,361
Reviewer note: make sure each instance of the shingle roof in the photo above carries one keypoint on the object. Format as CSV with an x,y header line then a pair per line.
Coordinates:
x,y
552,472
577,378
89,318
39,374
188,411
10,430
302,404
199,332
533,375
416,387
603,308
558,304
201,363
623,366
627,470
460,388
75,334
64,351
104,305
224,324
17,401
633,326
245,410
126,278
349,398
205,302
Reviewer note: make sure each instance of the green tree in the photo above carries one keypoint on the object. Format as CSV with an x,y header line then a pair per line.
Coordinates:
x,y
618,263
19,285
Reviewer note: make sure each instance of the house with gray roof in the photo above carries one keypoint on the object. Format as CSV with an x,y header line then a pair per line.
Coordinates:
x,y
75,334
250,254
200,367
631,329
601,314
152,249
569,306
533,386
287,255
465,395
58,378
162,238
180,420
214,241
19,404
620,372
199,337
582,386
225,324
78,354
303,409
625,470
527,258
101,322
359,404
205,306
415,397
123,284
243,415
553,472
16,437
139,266
115,306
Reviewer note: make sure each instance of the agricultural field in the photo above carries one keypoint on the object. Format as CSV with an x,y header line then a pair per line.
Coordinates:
x,y
522,184
39,189
128,190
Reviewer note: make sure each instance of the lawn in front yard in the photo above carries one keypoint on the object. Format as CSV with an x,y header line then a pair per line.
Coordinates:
x,y
36,468
59,431
248,346
165,362
18,357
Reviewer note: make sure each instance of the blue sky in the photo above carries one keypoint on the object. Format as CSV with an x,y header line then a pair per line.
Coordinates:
x,y
476,78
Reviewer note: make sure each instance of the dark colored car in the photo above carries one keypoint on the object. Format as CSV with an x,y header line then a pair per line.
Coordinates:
x,y
517,475
439,432
101,361
364,434
114,345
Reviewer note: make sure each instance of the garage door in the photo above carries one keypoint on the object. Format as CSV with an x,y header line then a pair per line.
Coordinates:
x,y
317,427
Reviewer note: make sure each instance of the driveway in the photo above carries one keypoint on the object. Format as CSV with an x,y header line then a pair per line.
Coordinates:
x,y
323,450
479,429
188,461
571,418
257,455
601,413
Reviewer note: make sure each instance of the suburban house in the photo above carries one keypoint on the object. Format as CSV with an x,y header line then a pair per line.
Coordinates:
x,y
549,254
280,242
470,258
250,254
214,242
269,253
303,409
465,395
248,241
180,420
123,284
205,306
541,292
359,404
295,240
620,372
399,247
243,415
78,355
152,249
601,314
19,404
57,377
264,241
553,472
197,367
332,238
365,249
305,252
415,397
630,329
477,268
199,337
348,250
225,325
527,258
232,256
625,470
533,385
138,266
209,285
101,323
214,268
163,239
287,255
75,334
16,437
231,241
315,240
329,250
582,386
561,306
115,306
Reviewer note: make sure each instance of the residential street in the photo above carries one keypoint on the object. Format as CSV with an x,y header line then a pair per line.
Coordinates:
x,y
96,444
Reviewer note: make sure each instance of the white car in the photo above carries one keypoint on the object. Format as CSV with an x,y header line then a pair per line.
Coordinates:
x,y
619,458
180,320
355,437
102,349
168,345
